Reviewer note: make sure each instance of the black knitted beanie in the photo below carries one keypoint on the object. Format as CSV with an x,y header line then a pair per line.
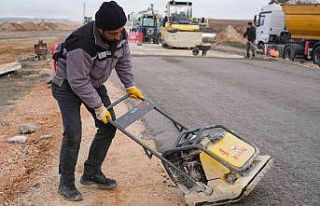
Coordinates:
x,y
110,16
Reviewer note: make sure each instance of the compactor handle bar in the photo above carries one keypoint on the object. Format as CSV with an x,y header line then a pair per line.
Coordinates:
x,y
136,113
118,101
144,110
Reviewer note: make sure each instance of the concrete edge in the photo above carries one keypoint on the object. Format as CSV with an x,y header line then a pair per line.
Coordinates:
x,y
8,68
183,56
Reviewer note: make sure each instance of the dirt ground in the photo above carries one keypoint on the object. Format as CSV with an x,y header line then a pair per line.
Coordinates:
x,y
12,49
220,24
29,171
18,38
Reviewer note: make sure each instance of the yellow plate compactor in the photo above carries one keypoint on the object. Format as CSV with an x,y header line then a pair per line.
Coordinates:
x,y
211,165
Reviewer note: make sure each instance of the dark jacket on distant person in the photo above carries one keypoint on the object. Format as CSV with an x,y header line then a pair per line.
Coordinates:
x,y
250,34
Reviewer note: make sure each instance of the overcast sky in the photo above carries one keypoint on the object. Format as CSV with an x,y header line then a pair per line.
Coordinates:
x,y
73,9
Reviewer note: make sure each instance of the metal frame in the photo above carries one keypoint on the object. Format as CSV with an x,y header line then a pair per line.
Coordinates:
x,y
143,108
198,132
151,152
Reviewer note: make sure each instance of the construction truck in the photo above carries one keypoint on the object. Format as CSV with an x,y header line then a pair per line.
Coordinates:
x,y
179,29
148,25
40,50
293,30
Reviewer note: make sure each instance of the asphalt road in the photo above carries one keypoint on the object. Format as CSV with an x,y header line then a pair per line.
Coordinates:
x,y
275,105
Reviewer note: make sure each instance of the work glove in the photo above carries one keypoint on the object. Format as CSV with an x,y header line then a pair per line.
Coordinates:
x,y
134,92
103,114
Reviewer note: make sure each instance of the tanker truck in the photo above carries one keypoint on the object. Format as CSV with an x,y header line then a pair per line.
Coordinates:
x,y
292,29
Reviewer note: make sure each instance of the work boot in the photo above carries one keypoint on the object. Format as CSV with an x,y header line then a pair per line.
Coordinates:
x,y
69,192
99,179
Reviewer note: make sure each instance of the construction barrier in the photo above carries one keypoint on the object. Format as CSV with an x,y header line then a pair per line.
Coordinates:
x,y
135,37
54,63
273,53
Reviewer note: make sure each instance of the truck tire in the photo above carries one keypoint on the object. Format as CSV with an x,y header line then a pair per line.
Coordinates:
x,y
289,53
261,48
316,55
165,45
195,51
156,40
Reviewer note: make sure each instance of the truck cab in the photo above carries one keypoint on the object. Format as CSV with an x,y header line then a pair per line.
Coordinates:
x,y
270,23
149,27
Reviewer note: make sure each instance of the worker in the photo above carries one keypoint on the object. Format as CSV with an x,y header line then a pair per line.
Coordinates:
x,y
250,34
164,21
84,62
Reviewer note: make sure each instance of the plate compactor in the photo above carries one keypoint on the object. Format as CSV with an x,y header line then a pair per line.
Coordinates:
x,y
211,165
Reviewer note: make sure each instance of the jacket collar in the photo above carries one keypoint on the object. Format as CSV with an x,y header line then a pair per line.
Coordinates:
x,y
97,39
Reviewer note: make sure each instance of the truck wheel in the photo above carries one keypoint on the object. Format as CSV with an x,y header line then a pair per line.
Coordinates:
x,y
164,45
261,48
289,53
316,55
196,51
156,41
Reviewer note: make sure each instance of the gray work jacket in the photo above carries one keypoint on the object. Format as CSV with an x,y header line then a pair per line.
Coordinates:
x,y
87,66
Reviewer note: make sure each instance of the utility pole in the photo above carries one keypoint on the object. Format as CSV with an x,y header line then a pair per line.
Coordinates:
x,y
152,9
131,19
86,19
84,12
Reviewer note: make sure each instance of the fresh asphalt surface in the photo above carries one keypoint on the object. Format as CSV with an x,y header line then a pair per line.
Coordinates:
x,y
275,105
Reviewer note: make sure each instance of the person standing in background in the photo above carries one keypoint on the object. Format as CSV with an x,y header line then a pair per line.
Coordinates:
x,y
250,34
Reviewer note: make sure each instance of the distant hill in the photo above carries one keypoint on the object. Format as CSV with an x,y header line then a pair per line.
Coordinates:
x,y
15,26
22,19
219,25
295,1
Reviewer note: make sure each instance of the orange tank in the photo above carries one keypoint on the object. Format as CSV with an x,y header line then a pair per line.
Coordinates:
x,y
303,20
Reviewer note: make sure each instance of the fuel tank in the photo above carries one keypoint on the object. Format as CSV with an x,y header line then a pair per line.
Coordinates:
x,y
303,20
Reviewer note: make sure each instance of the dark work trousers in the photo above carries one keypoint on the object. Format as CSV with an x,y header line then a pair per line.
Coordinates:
x,y
250,46
70,104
